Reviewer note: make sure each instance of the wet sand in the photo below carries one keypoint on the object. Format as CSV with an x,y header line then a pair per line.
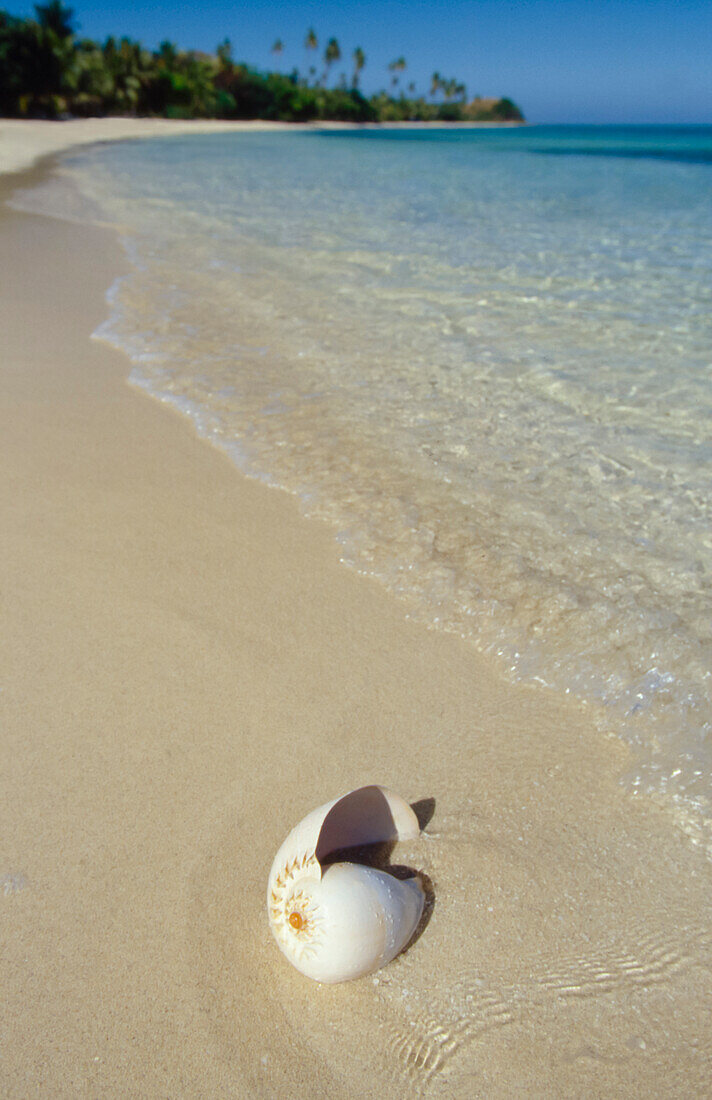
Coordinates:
x,y
186,670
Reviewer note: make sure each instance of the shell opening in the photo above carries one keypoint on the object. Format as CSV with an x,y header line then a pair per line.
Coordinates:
x,y
368,815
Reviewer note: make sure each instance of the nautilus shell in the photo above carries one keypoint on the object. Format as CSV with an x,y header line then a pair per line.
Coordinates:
x,y
337,921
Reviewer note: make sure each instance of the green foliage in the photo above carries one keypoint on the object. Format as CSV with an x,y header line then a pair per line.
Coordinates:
x,y
275,96
127,66
45,71
39,63
506,111
492,110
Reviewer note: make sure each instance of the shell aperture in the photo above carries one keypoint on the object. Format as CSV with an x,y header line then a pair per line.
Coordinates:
x,y
339,921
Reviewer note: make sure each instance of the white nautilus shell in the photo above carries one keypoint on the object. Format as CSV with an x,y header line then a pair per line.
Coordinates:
x,y
337,921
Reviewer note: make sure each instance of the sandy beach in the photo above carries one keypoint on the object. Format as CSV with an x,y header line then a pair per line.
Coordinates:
x,y
187,669
23,143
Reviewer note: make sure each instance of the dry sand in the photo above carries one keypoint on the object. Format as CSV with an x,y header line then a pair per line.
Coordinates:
x,y
187,669
23,143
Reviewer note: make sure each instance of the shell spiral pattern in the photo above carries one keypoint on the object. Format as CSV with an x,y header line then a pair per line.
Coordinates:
x,y
296,918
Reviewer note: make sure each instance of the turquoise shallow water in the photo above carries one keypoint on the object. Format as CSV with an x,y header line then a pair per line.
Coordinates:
x,y
484,357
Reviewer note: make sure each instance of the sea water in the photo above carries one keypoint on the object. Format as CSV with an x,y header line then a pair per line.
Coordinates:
x,y
485,358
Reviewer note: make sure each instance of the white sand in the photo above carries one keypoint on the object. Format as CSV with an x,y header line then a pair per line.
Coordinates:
x,y
22,143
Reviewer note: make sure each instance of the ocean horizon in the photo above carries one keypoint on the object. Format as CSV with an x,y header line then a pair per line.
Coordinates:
x,y
483,357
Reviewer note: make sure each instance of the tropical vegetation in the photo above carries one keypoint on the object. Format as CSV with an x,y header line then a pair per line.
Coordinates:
x,y
48,71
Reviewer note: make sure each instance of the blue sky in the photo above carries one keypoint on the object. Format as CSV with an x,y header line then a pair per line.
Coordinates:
x,y
561,60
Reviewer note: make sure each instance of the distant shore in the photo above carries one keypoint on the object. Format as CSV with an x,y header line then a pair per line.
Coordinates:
x,y
23,142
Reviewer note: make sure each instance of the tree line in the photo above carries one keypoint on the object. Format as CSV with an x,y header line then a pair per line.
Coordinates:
x,y
48,71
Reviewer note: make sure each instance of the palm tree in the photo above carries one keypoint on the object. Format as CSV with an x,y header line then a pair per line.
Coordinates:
x,y
397,66
56,18
332,53
278,47
224,52
126,64
49,60
359,61
311,43
452,89
435,84
167,54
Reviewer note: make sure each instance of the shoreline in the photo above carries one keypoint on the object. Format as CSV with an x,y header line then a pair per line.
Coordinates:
x,y
24,142
188,670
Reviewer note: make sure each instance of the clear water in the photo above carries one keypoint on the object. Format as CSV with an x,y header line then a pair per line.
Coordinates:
x,y
485,357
